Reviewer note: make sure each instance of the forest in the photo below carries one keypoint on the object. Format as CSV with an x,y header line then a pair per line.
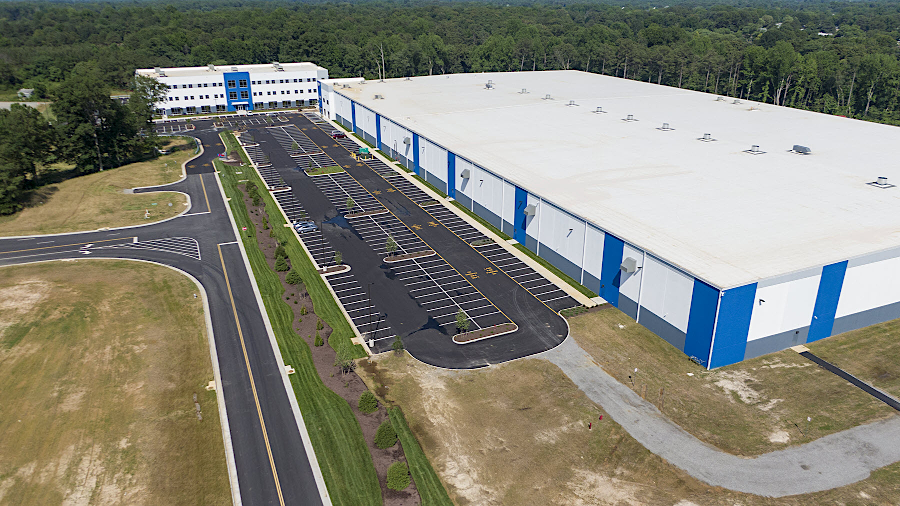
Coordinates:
x,y
832,57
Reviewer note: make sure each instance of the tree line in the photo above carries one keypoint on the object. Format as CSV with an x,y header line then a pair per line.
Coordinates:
x,y
91,131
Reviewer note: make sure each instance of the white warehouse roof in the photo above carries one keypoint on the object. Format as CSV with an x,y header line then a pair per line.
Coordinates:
x,y
722,214
210,69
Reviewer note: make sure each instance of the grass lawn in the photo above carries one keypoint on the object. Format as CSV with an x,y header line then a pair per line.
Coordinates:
x,y
749,408
431,490
99,362
516,434
96,200
343,457
319,171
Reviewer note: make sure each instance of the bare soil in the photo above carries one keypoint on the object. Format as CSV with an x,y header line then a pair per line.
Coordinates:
x,y
346,384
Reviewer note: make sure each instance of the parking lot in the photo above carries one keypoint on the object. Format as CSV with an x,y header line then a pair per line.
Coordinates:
x,y
287,135
338,187
443,291
376,229
545,291
455,224
381,168
368,320
412,191
173,128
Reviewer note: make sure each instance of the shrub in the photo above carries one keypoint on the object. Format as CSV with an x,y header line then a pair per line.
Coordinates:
x,y
293,277
397,344
368,403
385,436
319,341
280,251
398,476
281,264
303,310
319,325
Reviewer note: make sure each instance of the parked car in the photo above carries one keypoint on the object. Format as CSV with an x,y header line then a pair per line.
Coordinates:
x,y
337,134
304,226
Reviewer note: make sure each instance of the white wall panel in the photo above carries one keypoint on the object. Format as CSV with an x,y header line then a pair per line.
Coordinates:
x,y
631,283
869,286
509,201
787,306
365,120
433,159
562,233
342,107
593,251
666,292
465,185
488,190
532,226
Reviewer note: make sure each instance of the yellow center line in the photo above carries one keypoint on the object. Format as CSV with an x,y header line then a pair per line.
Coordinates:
x,y
204,193
262,423
67,245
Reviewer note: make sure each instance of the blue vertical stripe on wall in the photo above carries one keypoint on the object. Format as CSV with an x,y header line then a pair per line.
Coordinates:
x,y
611,269
416,154
377,131
701,321
237,77
735,309
451,174
830,285
321,107
519,219
353,114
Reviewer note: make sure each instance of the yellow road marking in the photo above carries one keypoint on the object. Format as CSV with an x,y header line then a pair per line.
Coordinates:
x,y
204,193
262,423
66,245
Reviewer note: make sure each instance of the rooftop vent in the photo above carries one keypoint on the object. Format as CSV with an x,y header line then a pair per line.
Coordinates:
x,y
489,85
630,117
234,69
599,110
736,101
754,150
665,127
211,67
572,103
524,91
160,72
277,66
547,97
881,182
801,150
379,97
706,138
720,99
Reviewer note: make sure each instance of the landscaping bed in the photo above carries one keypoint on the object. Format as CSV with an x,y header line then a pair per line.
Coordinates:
x,y
334,269
399,258
321,171
478,335
365,213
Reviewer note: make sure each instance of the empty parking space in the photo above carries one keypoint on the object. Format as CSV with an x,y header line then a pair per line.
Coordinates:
x,y
315,118
381,168
531,280
412,191
375,230
254,152
341,186
271,177
455,224
443,292
172,128
368,320
289,136
292,209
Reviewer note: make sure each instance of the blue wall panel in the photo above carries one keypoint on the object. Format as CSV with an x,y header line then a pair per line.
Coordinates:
x,y
519,218
701,321
830,285
377,131
611,269
237,77
353,114
416,166
735,309
451,174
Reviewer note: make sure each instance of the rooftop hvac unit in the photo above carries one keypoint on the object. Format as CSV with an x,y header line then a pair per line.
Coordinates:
x,y
407,141
736,101
234,69
754,150
160,72
211,67
524,91
720,99
571,103
379,97
547,97
600,110
465,174
530,210
629,265
630,117
706,138
802,150
665,127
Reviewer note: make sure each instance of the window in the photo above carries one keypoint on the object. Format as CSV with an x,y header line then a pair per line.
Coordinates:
x,y
205,85
192,110
174,86
296,91
242,83
245,94
205,109
273,105
282,92
295,80
268,93
288,92
231,84
267,81
176,98
232,95
192,97
301,91
220,108
286,103
257,105
190,86
308,79
176,110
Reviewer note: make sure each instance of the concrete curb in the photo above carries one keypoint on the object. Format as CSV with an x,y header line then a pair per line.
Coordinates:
x,y
214,357
289,389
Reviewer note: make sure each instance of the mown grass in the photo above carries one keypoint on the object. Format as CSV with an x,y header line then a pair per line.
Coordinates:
x,y
319,171
342,453
96,200
431,490
98,372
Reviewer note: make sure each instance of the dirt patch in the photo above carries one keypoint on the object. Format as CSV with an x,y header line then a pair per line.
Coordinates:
x,y
346,384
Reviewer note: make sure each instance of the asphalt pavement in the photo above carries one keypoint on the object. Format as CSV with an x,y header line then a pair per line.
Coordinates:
x,y
265,434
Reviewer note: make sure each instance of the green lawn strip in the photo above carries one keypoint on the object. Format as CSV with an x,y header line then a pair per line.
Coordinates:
x,y
367,143
336,436
550,267
431,490
433,187
382,153
318,171
338,123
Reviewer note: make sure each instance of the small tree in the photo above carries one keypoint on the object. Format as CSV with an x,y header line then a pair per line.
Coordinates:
x,y
293,277
398,476
319,341
303,310
367,402
462,321
338,257
343,357
397,345
281,265
350,204
390,245
385,436
295,147
280,251
319,325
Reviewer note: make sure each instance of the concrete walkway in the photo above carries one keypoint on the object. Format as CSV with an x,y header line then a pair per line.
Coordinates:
x,y
829,462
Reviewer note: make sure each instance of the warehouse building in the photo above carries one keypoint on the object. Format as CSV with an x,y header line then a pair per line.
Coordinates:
x,y
230,88
729,228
